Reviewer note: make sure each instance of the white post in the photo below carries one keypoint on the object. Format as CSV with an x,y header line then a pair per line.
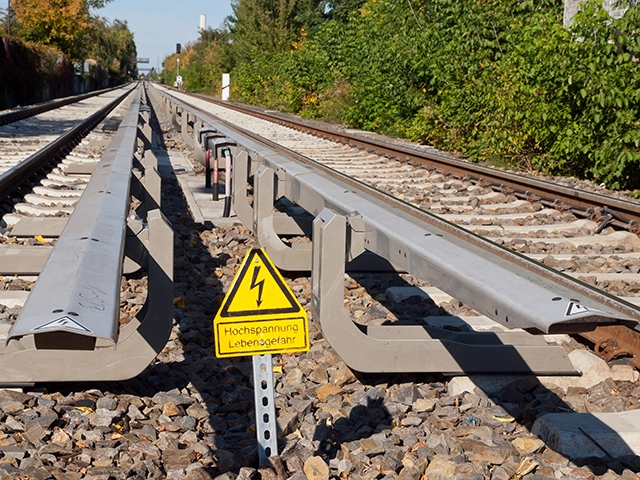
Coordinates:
x,y
225,86
178,78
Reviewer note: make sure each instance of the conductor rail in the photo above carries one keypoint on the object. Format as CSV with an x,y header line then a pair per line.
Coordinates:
x,y
352,219
69,328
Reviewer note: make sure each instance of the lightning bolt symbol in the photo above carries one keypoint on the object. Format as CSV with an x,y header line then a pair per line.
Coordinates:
x,y
259,285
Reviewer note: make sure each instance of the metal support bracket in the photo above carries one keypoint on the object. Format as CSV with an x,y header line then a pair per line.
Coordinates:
x,y
241,206
413,348
287,258
188,123
144,128
23,361
283,224
198,144
176,117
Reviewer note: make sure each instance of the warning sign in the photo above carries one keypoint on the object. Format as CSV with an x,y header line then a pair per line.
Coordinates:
x,y
260,314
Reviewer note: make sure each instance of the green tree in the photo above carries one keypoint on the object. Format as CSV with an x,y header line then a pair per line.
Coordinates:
x,y
267,27
113,46
59,23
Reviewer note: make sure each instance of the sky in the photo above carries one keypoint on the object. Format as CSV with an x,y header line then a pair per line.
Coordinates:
x,y
158,25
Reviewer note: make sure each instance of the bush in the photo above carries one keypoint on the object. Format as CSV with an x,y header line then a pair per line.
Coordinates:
x,y
499,81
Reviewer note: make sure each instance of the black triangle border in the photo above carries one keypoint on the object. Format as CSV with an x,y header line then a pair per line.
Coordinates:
x,y
224,310
570,308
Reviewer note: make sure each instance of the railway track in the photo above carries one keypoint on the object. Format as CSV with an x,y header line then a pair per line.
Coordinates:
x,y
190,415
362,292
604,208
36,137
587,235
46,164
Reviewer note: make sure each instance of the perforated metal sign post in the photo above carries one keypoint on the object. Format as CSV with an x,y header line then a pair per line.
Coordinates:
x,y
261,316
265,407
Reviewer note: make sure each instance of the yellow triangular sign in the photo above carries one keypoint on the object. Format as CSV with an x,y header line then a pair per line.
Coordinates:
x,y
259,314
258,289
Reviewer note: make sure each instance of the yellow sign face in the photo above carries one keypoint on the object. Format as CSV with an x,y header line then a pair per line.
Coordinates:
x,y
260,314
258,337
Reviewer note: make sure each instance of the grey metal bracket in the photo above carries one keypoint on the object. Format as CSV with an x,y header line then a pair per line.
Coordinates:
x,y
412,348
244,211
188,126
152,186
136,245
176,117
287,258
145,126
283,224
24,360
146,188
149,159
198,142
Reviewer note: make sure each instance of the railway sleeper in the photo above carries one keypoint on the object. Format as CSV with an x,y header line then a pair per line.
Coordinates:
x,y
69,328
351,219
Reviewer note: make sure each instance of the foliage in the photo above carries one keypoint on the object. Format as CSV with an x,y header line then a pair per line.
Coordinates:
x,y
602,139
31,73
59,23
267,27
202,63
113,46
70,27
497,80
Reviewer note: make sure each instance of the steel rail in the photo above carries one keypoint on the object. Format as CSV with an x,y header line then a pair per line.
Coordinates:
x,y
402,209
30,111
15,176
608,210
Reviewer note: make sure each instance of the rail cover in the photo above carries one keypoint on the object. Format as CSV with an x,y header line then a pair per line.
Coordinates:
x,y
78,292
508,287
